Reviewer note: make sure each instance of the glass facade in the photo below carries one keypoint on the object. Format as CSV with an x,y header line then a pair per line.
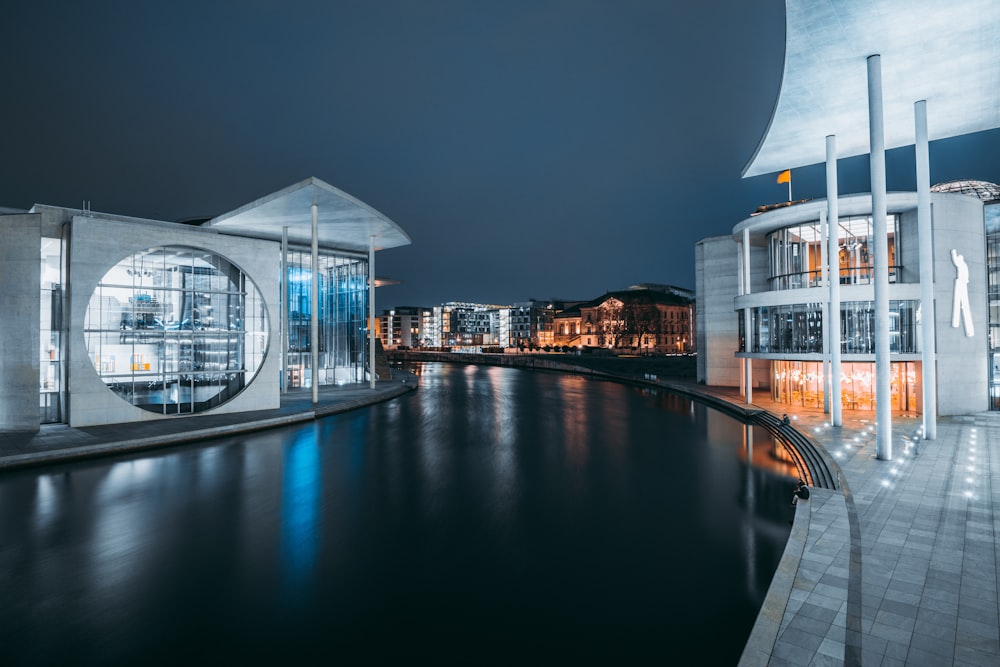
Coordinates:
x,y
992,215
798,328
795,253
801,383
50,381
343,307
176,330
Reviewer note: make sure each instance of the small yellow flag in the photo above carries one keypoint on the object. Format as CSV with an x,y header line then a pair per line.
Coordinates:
x,y
785,176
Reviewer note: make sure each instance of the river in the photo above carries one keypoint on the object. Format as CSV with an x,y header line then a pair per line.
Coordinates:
x,y
494,516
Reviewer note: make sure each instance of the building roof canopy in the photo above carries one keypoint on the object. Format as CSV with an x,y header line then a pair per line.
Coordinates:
x,y
343,222
945,53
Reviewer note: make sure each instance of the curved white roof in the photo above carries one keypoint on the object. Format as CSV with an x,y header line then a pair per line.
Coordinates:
x,y
343,222
947,53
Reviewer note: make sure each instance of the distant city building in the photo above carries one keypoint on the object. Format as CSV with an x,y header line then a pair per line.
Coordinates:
x,y
641,320
566,328
653,319
402,326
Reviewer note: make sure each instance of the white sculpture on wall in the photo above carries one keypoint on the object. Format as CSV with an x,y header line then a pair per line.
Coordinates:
x,y
960,298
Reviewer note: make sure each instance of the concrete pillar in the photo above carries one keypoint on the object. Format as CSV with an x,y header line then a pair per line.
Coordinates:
x,y
283,338
832,324
747,362
823,275
371,310
883,394
926,249
20,301
314,306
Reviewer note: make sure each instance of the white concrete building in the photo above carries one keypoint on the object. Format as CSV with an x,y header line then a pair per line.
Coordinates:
x,y
861,77
777,322
112,319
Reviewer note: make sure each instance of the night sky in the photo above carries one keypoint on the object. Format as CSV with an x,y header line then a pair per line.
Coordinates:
x,y
531,149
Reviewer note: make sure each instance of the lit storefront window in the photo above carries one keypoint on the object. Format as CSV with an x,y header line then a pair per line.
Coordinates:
x,y
795,253
801,383
176,330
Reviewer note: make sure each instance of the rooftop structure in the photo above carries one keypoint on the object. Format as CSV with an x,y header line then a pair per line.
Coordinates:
x,y
945,53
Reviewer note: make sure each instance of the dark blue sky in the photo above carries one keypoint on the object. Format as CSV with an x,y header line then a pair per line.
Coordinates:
x,y
531,149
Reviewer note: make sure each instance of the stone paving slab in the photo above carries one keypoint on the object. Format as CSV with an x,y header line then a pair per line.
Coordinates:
x,y
901,568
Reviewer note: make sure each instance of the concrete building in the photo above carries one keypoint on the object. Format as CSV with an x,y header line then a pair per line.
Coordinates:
x,y
115,319
777,323
401,326
861,77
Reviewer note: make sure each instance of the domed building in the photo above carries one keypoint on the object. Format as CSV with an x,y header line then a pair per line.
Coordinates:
x,y
983,190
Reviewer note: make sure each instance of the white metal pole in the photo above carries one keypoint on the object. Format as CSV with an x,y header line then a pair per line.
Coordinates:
x,y
371,310
314,307
926,249
283,300
823,273
883,394
833,256
747,361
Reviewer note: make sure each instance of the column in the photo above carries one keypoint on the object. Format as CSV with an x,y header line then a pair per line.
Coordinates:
x,y
747,361
283,300
371,310
883,395
928,350
314,307
833,255
823,276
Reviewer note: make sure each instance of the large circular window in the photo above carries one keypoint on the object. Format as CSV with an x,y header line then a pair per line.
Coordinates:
x,y
176,330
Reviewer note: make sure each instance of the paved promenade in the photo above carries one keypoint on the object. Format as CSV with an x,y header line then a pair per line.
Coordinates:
x,y
899,567
57,442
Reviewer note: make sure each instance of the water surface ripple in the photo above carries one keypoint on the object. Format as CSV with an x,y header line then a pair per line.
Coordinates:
x,y
493,516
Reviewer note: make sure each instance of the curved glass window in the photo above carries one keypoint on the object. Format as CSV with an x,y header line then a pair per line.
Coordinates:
x,y
795,253
176,330
798,328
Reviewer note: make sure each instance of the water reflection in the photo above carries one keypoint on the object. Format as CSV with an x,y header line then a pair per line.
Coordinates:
x,y
491,515
300,511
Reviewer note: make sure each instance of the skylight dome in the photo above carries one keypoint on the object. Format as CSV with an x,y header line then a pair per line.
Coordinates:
x,y
984,190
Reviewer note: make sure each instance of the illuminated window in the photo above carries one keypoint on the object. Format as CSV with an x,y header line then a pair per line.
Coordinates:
x,y
796,253
176,330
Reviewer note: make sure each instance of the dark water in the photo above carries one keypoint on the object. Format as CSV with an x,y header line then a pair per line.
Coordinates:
x,y
494,516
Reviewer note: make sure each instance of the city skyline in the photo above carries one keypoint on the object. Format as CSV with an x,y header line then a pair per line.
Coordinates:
x,y
531,150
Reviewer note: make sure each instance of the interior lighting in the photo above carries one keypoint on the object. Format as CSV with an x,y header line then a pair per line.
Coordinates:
x,y
968,494
968,480
885,482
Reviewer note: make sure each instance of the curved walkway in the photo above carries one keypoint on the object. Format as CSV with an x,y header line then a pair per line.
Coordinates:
x,y
55,443
912,580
